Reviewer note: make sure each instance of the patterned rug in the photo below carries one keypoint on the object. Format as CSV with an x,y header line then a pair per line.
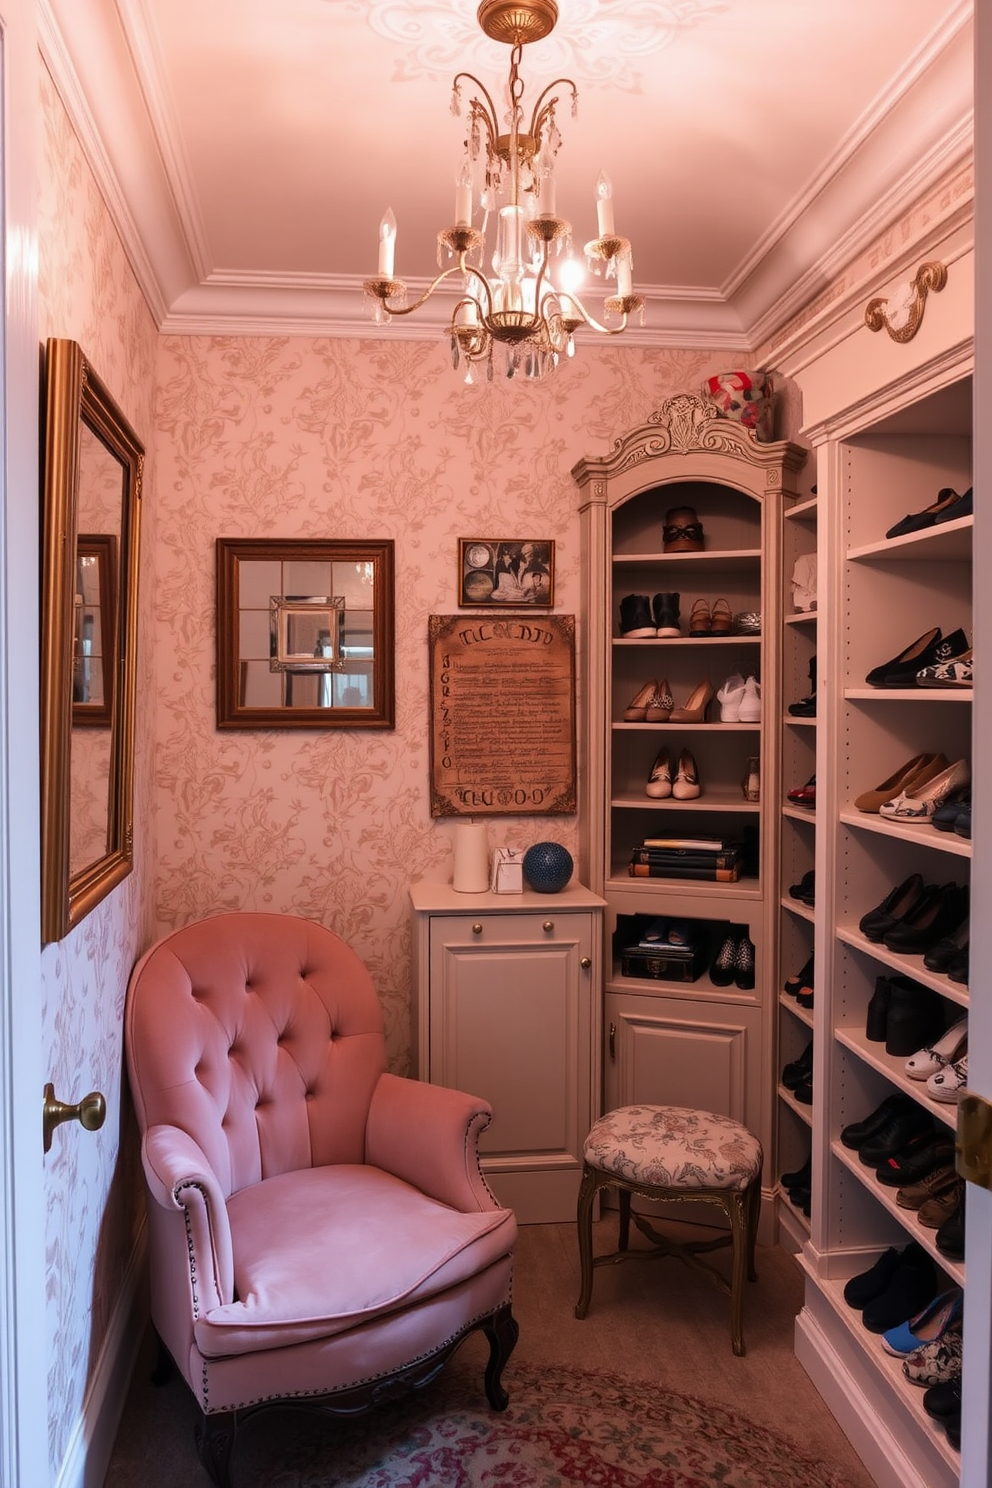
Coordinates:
x,y
563,1429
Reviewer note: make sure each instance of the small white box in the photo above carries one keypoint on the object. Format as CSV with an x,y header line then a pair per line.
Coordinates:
x,y
508,871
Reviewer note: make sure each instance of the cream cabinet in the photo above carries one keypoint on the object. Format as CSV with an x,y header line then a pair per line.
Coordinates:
x,y
506,1005
699,1042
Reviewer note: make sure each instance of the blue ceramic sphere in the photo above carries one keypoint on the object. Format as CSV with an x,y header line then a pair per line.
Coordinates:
x,y
547,867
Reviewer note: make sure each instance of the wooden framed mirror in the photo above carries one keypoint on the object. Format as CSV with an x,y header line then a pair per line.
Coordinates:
x,y
93,464
305,634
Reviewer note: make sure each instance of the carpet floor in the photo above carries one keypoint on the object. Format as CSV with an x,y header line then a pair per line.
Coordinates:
x,y
643,1393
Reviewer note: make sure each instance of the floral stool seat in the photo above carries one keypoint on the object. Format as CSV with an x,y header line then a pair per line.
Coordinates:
x,y
673,1153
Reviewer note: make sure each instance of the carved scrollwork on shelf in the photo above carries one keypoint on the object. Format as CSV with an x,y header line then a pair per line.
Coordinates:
x,y
901,314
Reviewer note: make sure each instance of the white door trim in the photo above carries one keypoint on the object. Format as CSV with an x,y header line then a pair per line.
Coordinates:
x,y
23,1330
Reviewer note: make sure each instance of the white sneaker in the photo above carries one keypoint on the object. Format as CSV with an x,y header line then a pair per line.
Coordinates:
x,y
730,696
749,708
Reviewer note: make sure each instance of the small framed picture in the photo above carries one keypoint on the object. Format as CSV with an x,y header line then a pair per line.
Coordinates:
x,y
515,571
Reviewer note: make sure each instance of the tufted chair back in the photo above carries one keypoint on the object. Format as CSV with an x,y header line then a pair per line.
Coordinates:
x,y
261,1037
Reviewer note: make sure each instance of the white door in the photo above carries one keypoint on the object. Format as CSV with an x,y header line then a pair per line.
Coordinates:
x,y
23,1358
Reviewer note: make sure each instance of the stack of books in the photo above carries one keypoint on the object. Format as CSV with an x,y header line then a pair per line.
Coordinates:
x,y
717,859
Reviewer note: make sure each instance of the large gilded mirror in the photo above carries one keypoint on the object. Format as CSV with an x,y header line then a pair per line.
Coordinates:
x,y
304,634
91,504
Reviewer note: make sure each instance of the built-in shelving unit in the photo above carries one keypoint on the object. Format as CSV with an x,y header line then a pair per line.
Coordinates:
x,y
888,458
693,1042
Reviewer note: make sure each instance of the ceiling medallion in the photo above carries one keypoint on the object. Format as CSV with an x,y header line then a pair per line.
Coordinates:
x,y
508,174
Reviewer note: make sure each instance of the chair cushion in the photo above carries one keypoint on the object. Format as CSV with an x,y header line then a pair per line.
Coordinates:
x,y
674,1147
322,1250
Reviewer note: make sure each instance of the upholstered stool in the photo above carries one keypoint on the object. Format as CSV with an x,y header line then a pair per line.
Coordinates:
x,y
672,1153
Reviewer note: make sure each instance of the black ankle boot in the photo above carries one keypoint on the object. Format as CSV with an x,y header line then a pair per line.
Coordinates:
x,y
666,614
635,616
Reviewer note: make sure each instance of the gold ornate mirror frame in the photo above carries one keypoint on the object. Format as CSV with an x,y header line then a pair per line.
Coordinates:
x,y
93,465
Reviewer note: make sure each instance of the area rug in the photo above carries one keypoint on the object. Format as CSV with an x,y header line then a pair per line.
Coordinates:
x,y
563,1427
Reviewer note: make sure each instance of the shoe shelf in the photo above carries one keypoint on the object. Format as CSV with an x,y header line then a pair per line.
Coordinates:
x,y
801,911
712,799
951,540
709,729
791,721
707,643
909,966
801,1014
798,813
729,560
922,1443
802,617
804,1112
906,1218
921,834
892,1067
792,1221
917,696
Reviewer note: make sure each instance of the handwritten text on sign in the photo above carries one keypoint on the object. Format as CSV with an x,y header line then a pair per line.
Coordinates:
x,y
502,715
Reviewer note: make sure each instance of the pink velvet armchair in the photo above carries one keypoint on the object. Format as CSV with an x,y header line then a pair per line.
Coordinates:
x,y
319,1229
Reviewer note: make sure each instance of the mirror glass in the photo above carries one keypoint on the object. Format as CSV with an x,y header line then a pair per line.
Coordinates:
x,y
304,634
92,484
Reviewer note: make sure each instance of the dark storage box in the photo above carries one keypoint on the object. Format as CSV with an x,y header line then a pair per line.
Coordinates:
x,y
666,964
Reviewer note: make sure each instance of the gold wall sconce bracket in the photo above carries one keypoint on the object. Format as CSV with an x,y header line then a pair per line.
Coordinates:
x,y
901,314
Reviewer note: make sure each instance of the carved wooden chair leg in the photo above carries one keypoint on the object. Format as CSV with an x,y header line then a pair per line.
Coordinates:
x,y
215,1436
737,1208
583,1224
624,1234
502,1330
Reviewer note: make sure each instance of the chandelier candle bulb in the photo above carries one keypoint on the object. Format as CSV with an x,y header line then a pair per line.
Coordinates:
x,y
463,197
624,280
604,205
387,245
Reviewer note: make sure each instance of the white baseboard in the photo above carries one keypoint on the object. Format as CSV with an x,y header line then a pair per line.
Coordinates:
x,y
92,1441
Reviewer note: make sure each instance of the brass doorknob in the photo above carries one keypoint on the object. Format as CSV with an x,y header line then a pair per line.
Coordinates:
x,y
90,1112
586,962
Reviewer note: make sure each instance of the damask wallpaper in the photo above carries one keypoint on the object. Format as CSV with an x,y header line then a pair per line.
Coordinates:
x,y
325,438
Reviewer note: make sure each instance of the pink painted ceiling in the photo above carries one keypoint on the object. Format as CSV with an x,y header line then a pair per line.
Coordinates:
x,y
255,144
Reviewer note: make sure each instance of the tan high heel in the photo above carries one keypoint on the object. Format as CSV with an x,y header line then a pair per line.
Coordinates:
x,y
696,705
636,709
659,709
659,785
686,786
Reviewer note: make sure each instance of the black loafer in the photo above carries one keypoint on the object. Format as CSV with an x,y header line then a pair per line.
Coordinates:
x,y
897,903
936,913
868,1285
805,889
906,665
909,1125
943,1401
858,1132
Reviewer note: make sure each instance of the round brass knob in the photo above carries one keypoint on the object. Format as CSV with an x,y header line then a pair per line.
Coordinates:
x,y
476,929
90,1112
548,925
586,962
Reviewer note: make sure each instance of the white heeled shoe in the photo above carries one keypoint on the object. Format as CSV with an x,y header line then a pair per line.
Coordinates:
x,y
750,704
949,1082
932,1059
729,698
920,802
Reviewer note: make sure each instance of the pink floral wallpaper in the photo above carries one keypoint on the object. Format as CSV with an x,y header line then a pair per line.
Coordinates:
x,y
325,438
93,1184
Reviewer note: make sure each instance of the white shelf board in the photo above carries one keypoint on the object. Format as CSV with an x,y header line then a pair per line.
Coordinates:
x,y
909,694
795,722
805,912
910,966
805,1113
947,540
710,557
682,728
906,1217
892,1066
803,617
709,801
708,641
802,511
922,833
799,813
804,1015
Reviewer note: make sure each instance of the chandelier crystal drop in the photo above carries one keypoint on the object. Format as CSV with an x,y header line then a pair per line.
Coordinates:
x,y
529,304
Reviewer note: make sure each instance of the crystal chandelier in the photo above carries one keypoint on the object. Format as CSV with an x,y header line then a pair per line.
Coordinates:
x,y
509,174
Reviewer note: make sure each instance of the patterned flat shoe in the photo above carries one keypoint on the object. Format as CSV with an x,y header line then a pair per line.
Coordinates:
x,y
958,672
947,1084
921,801
937,1363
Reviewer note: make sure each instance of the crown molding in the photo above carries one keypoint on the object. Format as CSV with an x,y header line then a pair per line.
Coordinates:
x,y
335,305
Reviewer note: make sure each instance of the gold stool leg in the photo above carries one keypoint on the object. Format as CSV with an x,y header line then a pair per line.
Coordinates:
x,y
624,1235
737,1211
583,1222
